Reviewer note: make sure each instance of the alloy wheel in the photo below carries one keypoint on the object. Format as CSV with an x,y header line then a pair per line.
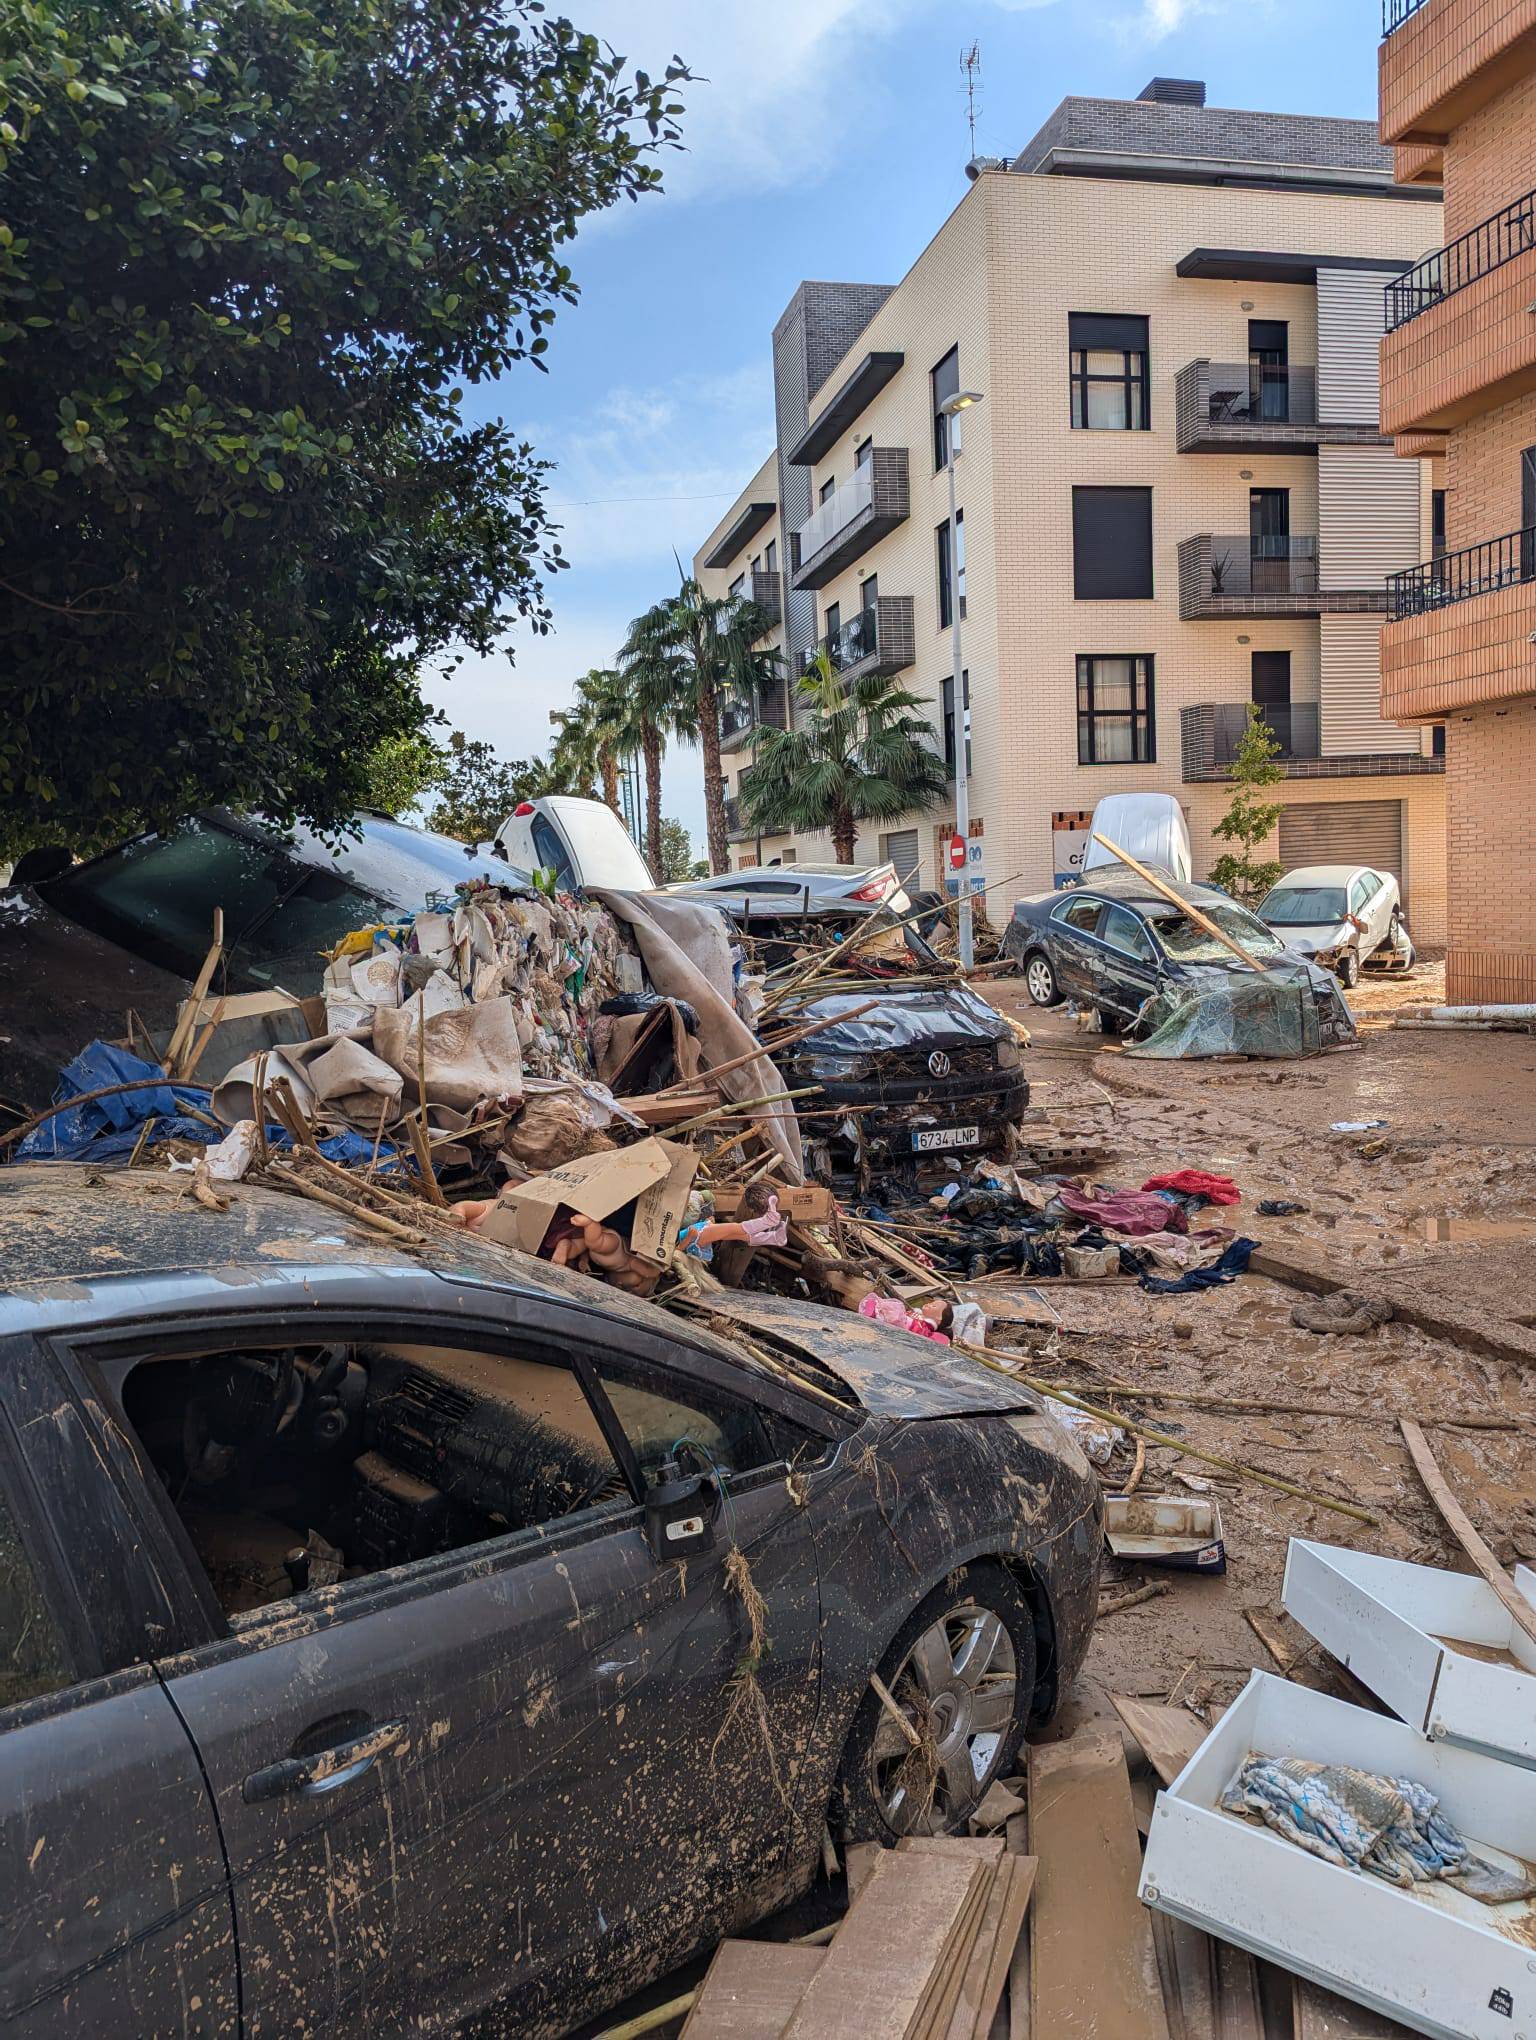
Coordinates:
x,y
958,1688
1040,981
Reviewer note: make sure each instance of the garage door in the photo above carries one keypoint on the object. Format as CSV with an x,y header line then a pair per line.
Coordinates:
x,y
900,849
1344,832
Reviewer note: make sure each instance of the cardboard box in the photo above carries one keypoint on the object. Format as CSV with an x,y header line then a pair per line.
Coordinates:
x,y
658,1174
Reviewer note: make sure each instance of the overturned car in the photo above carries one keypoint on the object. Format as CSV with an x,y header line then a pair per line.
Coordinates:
x,y
1118,944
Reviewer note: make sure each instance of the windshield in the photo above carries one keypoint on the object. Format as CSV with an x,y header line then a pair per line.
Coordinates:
x,y
1187,942
1304,906
155,897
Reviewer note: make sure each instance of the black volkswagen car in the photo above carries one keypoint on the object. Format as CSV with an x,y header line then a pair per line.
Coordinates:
x,y
390,1640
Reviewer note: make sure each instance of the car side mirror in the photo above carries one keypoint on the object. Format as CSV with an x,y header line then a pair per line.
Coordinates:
x,y
680,1513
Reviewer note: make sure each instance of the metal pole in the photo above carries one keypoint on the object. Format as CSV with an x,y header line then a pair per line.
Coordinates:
x,y
962,721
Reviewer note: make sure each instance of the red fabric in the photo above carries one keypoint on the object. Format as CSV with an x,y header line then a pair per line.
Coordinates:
x,y
1198,1183
1125,1211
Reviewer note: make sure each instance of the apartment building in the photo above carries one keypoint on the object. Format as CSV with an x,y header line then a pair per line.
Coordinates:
x,y
1458,383
1175,497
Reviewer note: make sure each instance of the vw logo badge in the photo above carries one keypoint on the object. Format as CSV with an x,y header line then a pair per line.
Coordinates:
x,y
938,1063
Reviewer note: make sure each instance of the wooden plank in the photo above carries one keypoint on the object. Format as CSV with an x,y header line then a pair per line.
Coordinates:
x,y
1169,1736
1092,1960
1238,2013
931,2019
1463,1528
1186,1962
1319,2015
888,1947
1191,913
861,1858
751,1990
987,1977
240,1006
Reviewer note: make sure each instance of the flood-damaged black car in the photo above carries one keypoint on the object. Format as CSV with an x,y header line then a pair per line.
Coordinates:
x,y
388,1640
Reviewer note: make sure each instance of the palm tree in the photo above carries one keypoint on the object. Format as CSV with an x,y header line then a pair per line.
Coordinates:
x,y
598,733
861,754
682,657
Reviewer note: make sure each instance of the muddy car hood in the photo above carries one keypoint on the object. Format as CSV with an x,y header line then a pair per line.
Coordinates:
x,y
60,987
903,1020
893,1374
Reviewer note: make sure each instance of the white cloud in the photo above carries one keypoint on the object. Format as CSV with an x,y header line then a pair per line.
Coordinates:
x,y
1158,19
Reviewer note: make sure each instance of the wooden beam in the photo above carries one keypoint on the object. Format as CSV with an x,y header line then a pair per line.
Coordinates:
x,y
1193,913
1464,1530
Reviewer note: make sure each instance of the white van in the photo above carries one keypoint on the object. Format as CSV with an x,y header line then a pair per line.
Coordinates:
x,y
582,842
1150,825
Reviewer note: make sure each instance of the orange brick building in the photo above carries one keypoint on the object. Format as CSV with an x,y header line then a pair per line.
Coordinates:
x,y
1458,380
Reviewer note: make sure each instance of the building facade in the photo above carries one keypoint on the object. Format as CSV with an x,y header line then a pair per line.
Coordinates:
x,y
1458,382
1175,497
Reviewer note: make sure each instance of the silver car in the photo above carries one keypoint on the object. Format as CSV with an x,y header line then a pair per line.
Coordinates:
x,y
777,890
1342,916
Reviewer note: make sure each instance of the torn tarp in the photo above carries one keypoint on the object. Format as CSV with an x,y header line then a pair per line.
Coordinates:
x,y
1291,1009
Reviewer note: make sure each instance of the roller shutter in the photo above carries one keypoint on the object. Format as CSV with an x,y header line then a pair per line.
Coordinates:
x,y
902,851
1344,832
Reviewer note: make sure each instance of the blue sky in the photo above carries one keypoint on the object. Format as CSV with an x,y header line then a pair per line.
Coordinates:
x,y
826,138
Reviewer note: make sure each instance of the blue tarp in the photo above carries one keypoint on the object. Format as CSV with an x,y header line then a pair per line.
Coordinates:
x,y
108,1128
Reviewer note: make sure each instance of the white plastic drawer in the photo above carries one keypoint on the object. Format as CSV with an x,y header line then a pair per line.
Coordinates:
x,y
1438,1647
1440,1962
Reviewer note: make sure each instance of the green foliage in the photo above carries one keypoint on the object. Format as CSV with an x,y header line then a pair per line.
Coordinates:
x,y
1250,820
599,731
400,770
862,754
251,257
677,858
478,790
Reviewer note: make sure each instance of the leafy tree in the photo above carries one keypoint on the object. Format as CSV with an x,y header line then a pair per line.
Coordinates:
x,y
677,858
862,753
478,790
249,256
400,770
1250,820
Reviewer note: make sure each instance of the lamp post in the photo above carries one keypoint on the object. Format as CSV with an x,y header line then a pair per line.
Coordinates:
x,y
962,400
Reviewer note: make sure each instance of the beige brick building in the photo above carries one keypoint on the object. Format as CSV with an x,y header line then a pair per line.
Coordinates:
x,y
1175,497
1458,381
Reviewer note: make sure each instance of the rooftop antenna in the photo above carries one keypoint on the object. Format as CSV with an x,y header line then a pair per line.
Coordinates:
x,y
970,66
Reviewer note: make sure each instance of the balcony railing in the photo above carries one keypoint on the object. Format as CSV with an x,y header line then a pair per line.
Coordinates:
x,y
1487,247
1243,566
878,640
1395,12
873,501
1251,393
1296,728
840,508
1460,576
762,589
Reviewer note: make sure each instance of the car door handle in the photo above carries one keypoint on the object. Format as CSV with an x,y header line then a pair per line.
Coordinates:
x,y
326,1769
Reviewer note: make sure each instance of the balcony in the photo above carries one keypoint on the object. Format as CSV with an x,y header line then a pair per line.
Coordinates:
x,y
1209,735
1441,60
1460,336
878,640
1270,576
873,501
735,827
762,590
1241,407
1463,576
1461,629
737,721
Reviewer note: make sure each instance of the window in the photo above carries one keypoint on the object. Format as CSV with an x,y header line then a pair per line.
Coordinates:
x,y
701,1433
869,592
951,575
771,556
1363,891
1112,545
832,620
1081,914
1436,523
948,718
1189,943
32,1655
826,488
1269,382
551,851
738,589
790,857
1271,679
1109,372
944,382
1115,721
862,452
294,1467
1123,931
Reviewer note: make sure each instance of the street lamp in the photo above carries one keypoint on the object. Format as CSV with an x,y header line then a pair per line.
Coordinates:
x,y
962,400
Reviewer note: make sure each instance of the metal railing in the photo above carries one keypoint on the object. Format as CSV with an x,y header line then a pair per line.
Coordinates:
x,y
1487,247
1459,576
1271,564
1395,12
855,641
736,718
1253,393
840,508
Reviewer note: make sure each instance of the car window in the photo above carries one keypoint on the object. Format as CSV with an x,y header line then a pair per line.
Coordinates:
x,y
551,852
157,896
1363,891
666,1420
289,943
1079,914
785,887
293,1467
1122,930
32,1655
1188,942
1303,906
